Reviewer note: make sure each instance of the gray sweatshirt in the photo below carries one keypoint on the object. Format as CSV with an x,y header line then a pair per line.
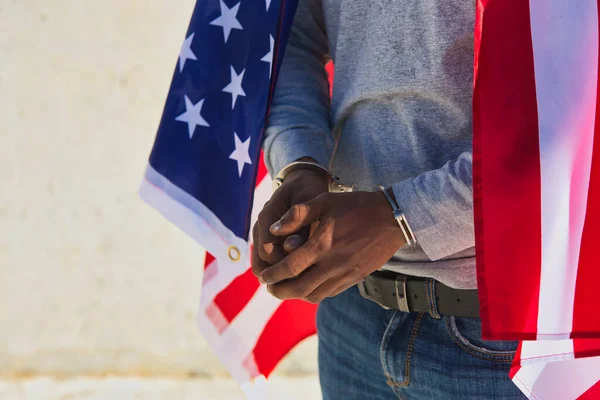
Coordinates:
x,y
402,102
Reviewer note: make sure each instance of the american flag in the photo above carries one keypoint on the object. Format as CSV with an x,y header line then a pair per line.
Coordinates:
x,y
536,183
536,162
206,175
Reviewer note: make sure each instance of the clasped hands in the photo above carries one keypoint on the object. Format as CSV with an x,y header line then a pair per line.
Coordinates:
x,y
310,244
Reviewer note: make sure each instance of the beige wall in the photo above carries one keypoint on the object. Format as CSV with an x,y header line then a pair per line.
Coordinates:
x,y
93,281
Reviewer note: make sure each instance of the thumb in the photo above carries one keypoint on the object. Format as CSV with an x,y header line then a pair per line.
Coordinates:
x,y
298,216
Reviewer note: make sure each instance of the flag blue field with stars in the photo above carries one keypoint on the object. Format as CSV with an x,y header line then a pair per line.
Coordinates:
x,y
202,168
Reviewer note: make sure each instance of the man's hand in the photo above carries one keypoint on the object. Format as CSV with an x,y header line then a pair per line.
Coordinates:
x,y
356,235
299,186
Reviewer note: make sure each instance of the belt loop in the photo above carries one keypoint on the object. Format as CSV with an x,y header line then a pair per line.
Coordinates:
x,y
431,299
401,294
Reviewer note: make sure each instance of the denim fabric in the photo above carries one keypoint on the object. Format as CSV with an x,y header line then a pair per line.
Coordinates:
x,y
367,352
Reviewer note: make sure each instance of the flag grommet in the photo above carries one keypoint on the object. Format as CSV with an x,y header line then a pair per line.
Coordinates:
x,y
234,253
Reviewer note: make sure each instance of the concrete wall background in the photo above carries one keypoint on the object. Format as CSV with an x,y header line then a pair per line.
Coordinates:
x,y
93,281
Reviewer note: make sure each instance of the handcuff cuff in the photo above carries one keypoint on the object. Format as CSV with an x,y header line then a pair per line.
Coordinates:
x,y
335,185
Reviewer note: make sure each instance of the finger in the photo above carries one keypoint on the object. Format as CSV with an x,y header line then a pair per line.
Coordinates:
x,y
293,264
293,242
269,247
301,287
335,285
341,288
298,216
329,288
258,265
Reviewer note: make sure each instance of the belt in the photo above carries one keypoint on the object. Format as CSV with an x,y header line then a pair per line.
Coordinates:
x,y
412,294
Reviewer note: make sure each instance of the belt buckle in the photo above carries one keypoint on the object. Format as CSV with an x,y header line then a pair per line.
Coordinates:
x,y
401,295
362,289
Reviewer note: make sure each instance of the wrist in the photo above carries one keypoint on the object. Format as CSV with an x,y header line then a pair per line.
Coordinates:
x,y
300,173
308,159
303,169
386,213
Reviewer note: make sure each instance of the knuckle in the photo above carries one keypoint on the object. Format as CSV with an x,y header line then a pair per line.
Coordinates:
x,y
265,214
261,218
275,292
256,267
301,291
325,198
312,245
354,270
296,212
261,251
257,271
323,245
291,269
329,223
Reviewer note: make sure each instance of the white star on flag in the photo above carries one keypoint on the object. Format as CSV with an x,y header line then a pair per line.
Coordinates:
x,y
268,58
228,19
241,154
268,4
235,87
192,115
186,52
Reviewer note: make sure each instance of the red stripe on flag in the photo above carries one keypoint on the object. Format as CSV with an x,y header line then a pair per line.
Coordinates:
x,y
586,348
586,318
262,169
293,321
592,393
236,296
506,165
516,365
208,259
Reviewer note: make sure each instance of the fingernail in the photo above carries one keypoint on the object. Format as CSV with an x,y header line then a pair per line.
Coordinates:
x,y
261,280
276,226
292,242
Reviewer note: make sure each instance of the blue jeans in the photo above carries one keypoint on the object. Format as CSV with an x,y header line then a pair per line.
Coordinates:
x,y
369,353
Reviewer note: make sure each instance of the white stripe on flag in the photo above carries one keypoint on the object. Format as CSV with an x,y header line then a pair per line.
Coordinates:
x,y
262,194
247,326
526,377
236,343
544,351
565,45
190,215
565,380
225,273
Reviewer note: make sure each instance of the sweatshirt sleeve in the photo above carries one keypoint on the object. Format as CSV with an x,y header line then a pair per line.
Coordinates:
x,y
438,206
298,124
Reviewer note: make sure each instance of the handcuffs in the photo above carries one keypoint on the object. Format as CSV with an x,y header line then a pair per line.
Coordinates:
x,y
336,186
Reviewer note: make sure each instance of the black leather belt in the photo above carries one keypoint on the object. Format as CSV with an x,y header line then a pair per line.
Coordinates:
x,y
412,294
